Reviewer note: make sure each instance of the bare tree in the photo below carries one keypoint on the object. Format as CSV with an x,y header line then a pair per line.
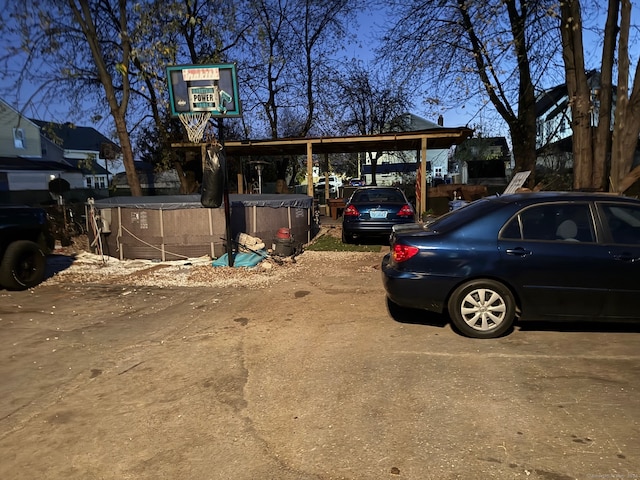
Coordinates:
x,y
86,49
285,60
626,128
285,57
173,33
592,143
373,103
86,16
111,55
457,48
578,91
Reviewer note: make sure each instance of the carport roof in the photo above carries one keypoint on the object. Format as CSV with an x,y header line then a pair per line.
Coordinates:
x,y
437,138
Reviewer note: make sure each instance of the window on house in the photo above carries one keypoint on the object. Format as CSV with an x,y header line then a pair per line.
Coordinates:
x,y
89,181
102,182
19,140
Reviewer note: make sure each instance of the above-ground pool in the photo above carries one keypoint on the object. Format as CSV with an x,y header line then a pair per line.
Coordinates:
x,y
174,227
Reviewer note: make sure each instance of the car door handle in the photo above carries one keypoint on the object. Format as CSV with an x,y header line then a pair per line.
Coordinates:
x,y
625,257
518,251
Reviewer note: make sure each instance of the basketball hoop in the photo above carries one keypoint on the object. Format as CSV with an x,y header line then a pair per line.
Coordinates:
x,y
194,124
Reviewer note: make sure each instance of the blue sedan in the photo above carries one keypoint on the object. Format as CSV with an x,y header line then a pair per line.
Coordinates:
x,y
545,255
373,211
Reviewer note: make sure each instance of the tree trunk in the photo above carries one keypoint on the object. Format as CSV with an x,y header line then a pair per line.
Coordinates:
x,y
579,94
522,150
603,100
627,116
127,156
117,103
524,124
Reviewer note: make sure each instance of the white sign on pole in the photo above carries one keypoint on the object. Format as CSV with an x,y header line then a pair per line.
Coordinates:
x,y
516,182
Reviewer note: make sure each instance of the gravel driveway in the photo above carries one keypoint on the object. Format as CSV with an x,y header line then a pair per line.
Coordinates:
x,y
292,372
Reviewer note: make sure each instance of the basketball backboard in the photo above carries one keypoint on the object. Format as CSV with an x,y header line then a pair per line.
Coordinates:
x,y
204,88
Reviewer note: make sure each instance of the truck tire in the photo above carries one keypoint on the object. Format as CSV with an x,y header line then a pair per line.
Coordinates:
x,y
23,265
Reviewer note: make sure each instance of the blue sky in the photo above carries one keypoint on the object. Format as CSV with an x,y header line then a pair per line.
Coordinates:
x,y
374,20
370,22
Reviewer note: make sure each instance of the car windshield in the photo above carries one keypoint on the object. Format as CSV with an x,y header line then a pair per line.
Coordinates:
x,y
463,215
378,195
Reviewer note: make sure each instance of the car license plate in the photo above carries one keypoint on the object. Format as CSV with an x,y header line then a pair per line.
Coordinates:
x,y
378,213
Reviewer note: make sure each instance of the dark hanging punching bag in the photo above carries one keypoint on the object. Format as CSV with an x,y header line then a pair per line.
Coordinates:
x,y
212,178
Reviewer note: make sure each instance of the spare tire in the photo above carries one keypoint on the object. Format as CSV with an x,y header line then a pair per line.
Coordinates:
x,y
23,265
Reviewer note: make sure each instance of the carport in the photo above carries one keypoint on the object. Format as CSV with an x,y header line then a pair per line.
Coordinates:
x,y
419,141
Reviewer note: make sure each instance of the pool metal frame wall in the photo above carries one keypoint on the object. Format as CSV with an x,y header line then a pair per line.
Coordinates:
x,y
188,230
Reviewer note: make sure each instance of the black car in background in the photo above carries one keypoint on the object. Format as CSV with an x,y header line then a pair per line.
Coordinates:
x,y
545,255
25,240
373,211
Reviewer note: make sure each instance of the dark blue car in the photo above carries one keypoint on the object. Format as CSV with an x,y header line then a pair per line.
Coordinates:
x,y
373,211
545,255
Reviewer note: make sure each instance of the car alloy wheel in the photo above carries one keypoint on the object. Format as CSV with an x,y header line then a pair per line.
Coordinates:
x,y
482,309
23,265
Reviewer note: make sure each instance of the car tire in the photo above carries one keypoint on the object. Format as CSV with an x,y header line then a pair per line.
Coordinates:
x,y
23,266
482,309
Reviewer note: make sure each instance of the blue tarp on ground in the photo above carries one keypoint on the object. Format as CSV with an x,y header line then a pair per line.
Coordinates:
x,y
241,259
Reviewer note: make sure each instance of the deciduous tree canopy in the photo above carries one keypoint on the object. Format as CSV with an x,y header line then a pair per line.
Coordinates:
x,y
108,58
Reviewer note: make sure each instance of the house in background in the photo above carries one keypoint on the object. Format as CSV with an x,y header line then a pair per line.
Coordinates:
x,y
84,148
31,156
554,135
19,136
395,167
151,181
484,161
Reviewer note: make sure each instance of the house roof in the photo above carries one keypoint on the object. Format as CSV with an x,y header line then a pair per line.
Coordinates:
x,y
24,164
547,99
436,138
72,137
416,123
485,141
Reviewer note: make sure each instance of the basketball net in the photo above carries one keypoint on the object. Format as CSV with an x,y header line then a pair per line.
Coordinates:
x,y
195,124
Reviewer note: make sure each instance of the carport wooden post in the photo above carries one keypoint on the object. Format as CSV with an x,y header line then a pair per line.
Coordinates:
x,y
310,169
422,201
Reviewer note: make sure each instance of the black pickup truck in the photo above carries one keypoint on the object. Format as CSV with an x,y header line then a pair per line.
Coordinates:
x,y
25,241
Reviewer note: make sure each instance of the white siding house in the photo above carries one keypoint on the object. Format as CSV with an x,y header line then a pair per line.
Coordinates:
x,y
401,167
19,136
31,155
82,148
553,122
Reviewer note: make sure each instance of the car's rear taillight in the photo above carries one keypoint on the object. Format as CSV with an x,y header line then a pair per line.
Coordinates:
x,y
402,252
406,211
351,211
